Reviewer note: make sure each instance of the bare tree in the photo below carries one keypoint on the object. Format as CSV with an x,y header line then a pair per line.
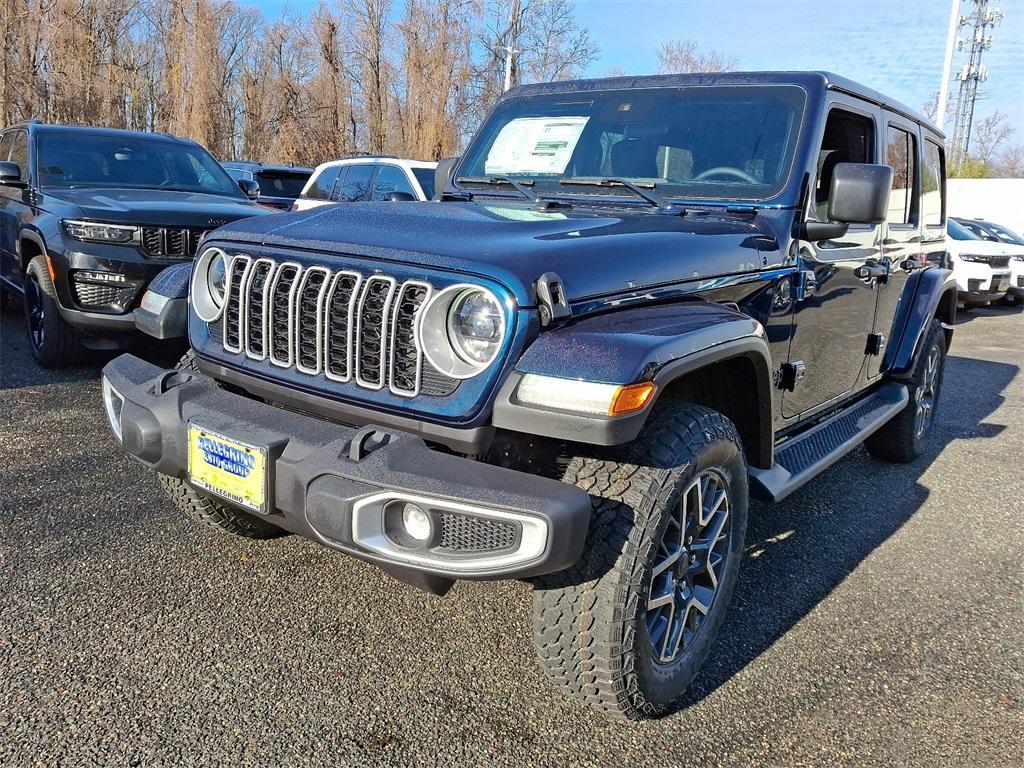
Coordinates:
x,y
547,44
685,56
1010,164
367,22
988,135
352,76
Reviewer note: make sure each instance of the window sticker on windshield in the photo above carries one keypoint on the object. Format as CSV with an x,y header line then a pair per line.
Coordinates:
x,y
535,145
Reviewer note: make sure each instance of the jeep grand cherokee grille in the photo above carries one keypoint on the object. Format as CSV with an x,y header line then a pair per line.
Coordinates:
x,y
170,243
342,325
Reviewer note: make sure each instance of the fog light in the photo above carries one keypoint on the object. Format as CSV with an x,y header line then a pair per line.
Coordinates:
x,y
113,402
417,522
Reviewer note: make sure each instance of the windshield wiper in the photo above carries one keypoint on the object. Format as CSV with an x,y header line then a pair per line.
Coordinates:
x,y
522,187
640,189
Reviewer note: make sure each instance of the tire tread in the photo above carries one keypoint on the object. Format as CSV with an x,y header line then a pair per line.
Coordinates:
x,y
582,616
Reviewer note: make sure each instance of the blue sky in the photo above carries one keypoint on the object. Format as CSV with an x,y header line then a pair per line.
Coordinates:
x,y
895,46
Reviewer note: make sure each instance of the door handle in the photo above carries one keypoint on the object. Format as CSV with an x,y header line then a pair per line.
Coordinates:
x,y
872,270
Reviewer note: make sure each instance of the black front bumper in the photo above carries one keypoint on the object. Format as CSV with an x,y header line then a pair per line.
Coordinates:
x,y
331,483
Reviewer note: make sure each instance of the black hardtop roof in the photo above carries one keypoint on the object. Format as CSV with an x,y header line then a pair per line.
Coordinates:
x,y
254,165
38,127
808,79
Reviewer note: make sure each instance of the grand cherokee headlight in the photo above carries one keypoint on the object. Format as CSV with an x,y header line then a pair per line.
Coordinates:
x,y
972,258
98,232
209,284
461,330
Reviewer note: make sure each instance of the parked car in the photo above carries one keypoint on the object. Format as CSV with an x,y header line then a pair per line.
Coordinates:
x,y
981,267
89,215
279,185
356,179
637,301
1014,246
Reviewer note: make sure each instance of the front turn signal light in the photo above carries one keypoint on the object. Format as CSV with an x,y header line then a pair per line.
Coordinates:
x,y
632,397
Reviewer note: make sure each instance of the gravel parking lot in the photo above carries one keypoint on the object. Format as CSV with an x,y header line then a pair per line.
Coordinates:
x,y
879,617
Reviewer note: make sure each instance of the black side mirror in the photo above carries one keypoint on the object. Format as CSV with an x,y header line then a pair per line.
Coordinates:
x,y
399,197
443,174
250,188
992,239
860,193
10,174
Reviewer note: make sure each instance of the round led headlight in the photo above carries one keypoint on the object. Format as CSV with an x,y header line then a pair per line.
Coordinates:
x,y
216,277
461,330
209,284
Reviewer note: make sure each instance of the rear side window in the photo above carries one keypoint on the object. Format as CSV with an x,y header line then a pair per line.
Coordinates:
x,y
356,186
391,178
323,184
933,203
425,176
900,154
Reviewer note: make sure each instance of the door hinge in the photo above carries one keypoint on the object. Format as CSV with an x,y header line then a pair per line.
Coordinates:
x,y
876,342
789,374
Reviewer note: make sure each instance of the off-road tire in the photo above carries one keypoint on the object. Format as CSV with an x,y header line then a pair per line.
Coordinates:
x,y
1013,300
900,440
589,621
53,341
205,509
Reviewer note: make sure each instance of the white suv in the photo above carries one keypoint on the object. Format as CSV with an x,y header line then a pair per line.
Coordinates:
x,y
1014,245
981,267
367,178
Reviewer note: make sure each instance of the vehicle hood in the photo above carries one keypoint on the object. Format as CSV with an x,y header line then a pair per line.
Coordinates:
x,y
594,252
155,206
981,247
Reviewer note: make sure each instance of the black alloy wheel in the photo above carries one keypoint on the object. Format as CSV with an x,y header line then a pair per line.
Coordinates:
x,y
688,567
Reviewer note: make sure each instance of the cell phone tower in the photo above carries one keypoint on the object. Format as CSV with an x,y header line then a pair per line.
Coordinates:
x,y
980,20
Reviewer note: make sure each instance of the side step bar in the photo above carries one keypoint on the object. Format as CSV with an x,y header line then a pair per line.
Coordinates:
x,y
808,454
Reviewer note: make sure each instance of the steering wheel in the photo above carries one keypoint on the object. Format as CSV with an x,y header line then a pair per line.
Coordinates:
x,y
726,170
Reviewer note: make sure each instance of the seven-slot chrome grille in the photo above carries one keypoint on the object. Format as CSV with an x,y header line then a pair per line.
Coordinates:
x,y
342,325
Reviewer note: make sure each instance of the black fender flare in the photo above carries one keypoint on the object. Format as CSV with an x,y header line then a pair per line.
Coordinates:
x,y
660,344
163,311
931,293
33,235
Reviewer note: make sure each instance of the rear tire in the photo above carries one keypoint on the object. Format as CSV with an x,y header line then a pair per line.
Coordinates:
x,y
666,533
207,510
53,341
902,439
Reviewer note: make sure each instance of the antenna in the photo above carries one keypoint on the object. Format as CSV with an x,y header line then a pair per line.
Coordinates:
x,y
980,20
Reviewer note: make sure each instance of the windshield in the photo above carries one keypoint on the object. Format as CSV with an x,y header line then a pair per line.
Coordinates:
x,y
695,142
132,162
959,231
1004,234
282,183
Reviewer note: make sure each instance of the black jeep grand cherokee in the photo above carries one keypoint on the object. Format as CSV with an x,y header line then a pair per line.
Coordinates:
x,y
88,216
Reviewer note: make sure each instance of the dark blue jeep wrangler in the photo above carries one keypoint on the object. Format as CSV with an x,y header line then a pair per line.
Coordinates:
x,y
636,301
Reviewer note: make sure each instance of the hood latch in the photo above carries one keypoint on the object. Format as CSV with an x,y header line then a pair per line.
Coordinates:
x,y
551,298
